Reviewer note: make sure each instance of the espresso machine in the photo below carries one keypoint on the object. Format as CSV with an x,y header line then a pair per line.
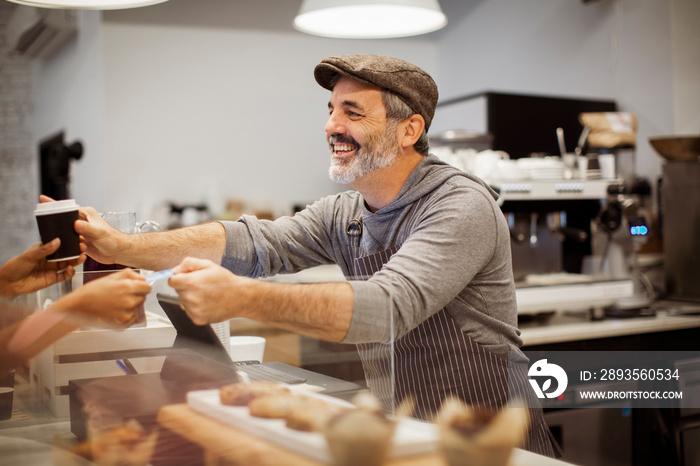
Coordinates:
x,y
552,246
552,216
549,235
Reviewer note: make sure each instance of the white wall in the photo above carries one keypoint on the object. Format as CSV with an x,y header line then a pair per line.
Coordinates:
x,y
69,96
178,100
234,110
685,36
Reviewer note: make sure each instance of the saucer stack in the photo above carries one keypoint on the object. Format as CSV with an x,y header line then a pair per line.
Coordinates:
x,y
542,169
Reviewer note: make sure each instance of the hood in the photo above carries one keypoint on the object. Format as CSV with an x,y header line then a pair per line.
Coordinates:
x,y
429,174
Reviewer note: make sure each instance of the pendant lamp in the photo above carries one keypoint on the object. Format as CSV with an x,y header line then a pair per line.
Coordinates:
x,y
369,19
88,4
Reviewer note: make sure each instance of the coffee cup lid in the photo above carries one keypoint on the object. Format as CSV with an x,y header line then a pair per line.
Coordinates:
x,y
56,207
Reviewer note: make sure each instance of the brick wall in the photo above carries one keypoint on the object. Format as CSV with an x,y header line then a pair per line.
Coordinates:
x,y
18,149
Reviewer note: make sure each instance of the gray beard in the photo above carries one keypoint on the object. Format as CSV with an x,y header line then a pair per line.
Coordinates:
x,y
378,152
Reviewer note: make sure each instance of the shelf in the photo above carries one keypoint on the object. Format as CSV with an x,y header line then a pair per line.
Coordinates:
x,y
571,296
541,190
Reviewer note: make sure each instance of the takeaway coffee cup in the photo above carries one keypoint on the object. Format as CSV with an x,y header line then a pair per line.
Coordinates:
x,y
247,348
55,220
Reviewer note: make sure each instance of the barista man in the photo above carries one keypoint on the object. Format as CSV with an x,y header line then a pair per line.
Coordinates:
x,y
424,246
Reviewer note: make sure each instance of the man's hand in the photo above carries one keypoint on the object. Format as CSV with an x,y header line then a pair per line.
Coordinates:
x,y
210,293
115,299
30,271
205,289
150,251
102,241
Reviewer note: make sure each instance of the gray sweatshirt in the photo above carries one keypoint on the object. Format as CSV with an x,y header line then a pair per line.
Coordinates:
x,y
454,253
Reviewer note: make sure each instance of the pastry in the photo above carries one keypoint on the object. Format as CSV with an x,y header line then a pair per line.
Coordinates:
x,y
473,435
362,435
125,445
240,394
310,418
279,406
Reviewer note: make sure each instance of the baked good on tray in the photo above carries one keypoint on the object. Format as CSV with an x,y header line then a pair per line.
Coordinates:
x,y
279,406
124,445
241,394
473,435
311,418
360,436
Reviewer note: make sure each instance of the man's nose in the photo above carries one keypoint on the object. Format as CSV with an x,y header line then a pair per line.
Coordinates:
x,y
334,124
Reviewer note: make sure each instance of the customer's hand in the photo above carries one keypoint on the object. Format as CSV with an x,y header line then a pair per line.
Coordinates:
x,y
114,299
101,239
207,291
30,271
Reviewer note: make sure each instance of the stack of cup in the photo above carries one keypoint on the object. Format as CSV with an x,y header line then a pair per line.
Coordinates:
x,y
247,348
607,166
582,166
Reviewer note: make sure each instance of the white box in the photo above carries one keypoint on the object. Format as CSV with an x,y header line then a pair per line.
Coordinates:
x,y
86,354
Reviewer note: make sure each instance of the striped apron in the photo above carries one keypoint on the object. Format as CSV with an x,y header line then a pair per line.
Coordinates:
x,y
437,359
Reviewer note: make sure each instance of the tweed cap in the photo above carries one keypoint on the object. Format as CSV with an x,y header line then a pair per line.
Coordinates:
x,y
413,85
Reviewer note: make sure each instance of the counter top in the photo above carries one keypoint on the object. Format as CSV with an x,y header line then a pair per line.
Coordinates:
x,y
575,327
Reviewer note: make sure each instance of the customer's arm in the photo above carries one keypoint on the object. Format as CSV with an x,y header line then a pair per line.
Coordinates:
x,y
36,332
113,299
30,271
110,302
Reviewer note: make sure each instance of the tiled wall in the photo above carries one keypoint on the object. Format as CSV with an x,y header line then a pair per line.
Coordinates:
x,y
18,150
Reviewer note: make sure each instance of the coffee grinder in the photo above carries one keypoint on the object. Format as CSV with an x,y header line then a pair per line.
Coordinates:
x,y
623,222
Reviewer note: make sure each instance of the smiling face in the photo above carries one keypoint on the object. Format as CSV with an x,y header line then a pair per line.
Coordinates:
x,y
360,138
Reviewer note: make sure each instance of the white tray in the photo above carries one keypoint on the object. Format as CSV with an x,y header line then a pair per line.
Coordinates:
x,y
412,437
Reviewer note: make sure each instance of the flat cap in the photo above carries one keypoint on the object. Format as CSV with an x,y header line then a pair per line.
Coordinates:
x,y
413,85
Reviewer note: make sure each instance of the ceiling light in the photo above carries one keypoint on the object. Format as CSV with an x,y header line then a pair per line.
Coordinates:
x,y
369,19
88,4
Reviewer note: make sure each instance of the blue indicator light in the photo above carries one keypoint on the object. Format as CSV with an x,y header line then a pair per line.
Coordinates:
x,y
639,230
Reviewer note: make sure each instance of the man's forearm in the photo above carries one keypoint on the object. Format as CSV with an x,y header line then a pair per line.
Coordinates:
x,y
162,250
318,310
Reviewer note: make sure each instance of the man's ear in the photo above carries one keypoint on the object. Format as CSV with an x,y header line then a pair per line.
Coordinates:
x,y
411,129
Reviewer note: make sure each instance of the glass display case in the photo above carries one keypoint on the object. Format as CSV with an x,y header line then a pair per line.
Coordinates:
x,y
167,391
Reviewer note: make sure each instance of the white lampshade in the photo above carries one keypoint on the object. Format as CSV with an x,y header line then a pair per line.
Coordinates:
x,y
369,19
88,4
